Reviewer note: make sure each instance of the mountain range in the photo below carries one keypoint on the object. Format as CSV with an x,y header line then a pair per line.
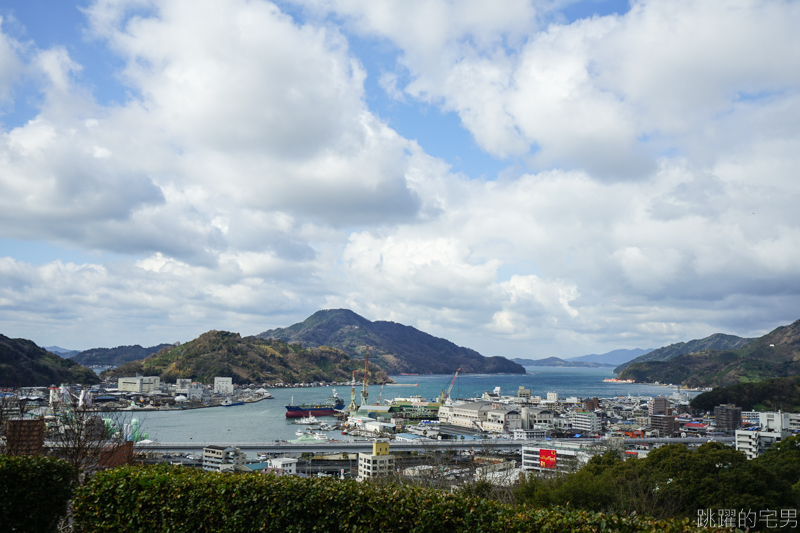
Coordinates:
x,y
775,355
614,357
394,347
555,361
717,341
24,364
115,356
246,360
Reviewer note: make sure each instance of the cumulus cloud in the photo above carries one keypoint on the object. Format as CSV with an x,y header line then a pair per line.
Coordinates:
x,y
247,182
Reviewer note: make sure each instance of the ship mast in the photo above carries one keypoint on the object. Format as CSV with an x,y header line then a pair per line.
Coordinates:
x,y
353,407
365,390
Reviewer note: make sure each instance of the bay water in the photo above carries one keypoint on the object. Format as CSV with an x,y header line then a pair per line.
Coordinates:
x,y
265,421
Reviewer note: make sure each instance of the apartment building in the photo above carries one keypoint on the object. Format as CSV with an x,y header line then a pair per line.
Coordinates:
x,y
223,459
378,463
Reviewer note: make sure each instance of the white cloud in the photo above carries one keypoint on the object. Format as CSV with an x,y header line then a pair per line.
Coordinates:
x,y
250,183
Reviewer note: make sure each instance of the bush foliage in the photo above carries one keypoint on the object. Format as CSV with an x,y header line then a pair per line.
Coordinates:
x,y
34,492
165,498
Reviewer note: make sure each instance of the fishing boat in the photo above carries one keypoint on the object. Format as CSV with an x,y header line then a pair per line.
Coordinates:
x,y
228,403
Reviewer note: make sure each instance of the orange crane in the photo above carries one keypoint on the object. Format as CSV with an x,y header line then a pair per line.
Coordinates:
x,y
444,397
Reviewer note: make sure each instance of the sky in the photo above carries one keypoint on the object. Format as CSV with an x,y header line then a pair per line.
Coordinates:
x,y
530,178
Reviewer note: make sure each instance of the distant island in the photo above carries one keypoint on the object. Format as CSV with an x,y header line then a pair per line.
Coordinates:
x,y
394,347
555,361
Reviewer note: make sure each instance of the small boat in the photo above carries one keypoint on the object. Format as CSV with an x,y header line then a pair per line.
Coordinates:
x,y
228,403
319,436
308,420
301,432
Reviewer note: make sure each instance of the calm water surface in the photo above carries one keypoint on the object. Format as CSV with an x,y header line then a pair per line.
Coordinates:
x,y
265,421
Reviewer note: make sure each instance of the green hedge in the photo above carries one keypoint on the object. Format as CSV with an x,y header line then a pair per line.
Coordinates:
x,y
34,492
167,499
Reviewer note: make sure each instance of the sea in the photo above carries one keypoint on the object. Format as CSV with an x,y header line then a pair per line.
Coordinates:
x,y
265,421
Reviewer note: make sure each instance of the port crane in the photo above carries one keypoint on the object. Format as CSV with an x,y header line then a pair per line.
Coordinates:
x,y
380,394
353,407
365,390
446,396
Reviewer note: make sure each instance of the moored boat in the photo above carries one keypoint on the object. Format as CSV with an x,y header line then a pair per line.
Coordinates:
x,y
329,408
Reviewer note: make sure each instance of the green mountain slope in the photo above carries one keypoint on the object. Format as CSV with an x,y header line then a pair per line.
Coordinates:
x,y
396,347
774,355
115,356
246,360
717,341
24,364
781,394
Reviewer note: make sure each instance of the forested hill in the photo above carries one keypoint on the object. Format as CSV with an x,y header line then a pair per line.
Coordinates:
x,y
115,356
781,394
717,341
396,347
24,364
775,355
246,360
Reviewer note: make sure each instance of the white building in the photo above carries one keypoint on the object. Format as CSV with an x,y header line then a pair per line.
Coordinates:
x,y
287,464
195,392
773,427
182,385
531,434
483,416
502,420
377,463
222,459
585,422
223,385
552,396
139,384
557,457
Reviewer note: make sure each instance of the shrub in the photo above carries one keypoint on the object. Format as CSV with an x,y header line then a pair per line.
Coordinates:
x,y
34,492
164,498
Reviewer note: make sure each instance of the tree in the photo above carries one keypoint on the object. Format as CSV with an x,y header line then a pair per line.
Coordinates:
x,y
89,439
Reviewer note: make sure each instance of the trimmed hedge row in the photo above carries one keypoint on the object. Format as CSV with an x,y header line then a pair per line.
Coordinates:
x,y
34,492
167,499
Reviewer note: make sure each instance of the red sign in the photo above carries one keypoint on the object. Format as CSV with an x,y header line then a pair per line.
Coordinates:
x,y
547,458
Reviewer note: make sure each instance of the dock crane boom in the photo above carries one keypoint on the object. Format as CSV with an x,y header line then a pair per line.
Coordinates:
x,y
444,397
452,383
353,407
380,394
365,390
